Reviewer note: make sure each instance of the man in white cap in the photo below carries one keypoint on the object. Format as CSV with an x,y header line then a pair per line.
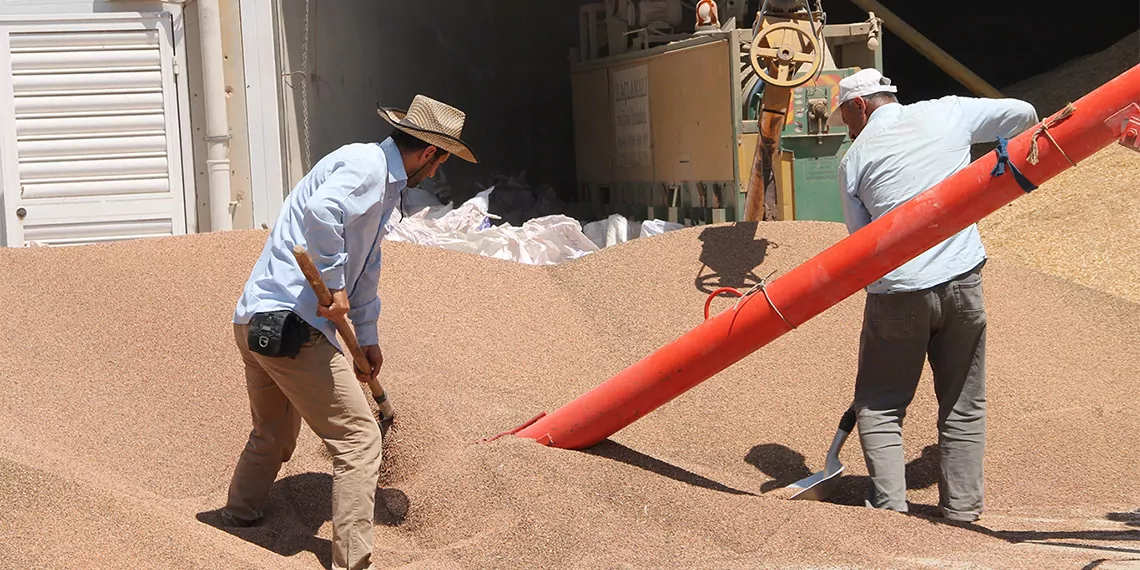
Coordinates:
x,y
932,305
294,366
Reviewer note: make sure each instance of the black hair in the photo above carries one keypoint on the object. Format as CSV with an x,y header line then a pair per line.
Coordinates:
x,y
408,143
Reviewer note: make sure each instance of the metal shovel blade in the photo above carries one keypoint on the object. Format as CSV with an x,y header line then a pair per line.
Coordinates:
x,y
818,486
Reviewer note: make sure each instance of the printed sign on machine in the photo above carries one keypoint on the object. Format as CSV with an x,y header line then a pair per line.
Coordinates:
x,y
631,117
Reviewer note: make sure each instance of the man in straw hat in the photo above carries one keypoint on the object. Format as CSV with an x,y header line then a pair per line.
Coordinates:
x,y
930,306
338,212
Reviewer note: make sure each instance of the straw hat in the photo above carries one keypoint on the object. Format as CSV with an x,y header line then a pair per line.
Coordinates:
x,y
436,123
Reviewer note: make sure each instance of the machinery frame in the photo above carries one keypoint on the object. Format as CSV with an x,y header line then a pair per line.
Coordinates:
x,y
720,194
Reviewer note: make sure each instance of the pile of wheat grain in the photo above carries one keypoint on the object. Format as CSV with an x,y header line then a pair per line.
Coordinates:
x,y
124,411
1083,225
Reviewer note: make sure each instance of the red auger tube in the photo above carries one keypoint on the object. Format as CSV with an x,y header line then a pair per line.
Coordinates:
x,y
858,260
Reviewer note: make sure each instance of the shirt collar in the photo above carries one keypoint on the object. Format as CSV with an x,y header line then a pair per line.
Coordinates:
x,y
396,172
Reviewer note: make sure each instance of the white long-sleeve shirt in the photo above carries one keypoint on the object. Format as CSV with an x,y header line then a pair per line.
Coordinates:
x,y
337,212
905,150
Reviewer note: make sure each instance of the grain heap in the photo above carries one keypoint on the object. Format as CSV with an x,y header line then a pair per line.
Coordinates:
x,y
1050,91
1083,225
124,411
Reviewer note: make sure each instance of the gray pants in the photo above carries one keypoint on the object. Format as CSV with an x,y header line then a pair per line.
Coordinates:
x,y
948,323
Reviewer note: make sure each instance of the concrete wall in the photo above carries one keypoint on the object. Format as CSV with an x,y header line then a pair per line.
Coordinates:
x,y
504,62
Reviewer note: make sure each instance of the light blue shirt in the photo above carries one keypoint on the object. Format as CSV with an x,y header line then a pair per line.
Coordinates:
x,y
337,212
905,150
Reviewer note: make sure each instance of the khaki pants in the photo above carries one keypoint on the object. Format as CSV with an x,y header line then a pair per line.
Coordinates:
x,y
948,324
318,386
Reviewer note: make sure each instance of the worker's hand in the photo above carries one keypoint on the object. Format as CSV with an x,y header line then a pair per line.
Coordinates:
x,y
339,307
375,359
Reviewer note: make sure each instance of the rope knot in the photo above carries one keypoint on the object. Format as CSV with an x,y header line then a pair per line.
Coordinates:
x,y
1003,161
1043,129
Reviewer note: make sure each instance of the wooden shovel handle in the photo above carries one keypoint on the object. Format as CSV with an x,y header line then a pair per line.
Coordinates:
x,y
324,297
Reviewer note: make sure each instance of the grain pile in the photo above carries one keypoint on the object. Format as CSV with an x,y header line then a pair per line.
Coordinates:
x,y
1083,225
1050,91
124,412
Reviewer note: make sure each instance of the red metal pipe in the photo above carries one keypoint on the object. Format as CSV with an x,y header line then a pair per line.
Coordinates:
x,y
838,272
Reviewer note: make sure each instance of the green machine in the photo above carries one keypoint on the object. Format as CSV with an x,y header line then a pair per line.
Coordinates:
x,y
796,68
815,154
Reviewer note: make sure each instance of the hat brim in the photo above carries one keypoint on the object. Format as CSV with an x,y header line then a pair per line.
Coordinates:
x,y
395,117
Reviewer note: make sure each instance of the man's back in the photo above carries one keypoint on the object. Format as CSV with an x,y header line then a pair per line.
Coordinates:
x,y
905,150
337,212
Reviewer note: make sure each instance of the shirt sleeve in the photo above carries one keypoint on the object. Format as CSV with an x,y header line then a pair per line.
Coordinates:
x,y
365,303
987,119
336,204
854,212
365,299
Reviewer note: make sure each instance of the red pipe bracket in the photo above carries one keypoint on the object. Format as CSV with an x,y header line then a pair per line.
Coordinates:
x,y
1131,137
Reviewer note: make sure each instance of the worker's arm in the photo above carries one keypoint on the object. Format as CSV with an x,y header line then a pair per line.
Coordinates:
x,y
854,212
365,303
987,119
365,299
329,214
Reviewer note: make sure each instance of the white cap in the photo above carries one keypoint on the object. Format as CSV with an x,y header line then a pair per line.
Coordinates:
x,y
859,84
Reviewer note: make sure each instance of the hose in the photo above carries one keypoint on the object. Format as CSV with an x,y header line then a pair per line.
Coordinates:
x,y
708,302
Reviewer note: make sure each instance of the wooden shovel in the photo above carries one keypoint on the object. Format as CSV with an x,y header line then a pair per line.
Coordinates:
x,y
324,297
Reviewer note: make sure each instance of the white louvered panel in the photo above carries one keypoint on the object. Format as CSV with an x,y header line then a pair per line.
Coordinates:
x,y
70,104
98,218
96,232
93,116
99,146
68,83
52,61
96,188
84,126
61,170
73,40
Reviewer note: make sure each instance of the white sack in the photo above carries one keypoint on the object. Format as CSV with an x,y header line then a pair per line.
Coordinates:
x,y
658,227
608,232
617,229
542,241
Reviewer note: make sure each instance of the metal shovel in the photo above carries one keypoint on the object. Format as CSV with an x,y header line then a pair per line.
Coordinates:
x,y
819,486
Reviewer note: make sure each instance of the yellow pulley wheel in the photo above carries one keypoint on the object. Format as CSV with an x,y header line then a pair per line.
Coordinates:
x,y
781,51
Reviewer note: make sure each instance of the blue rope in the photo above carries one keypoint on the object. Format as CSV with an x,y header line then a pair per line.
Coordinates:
x,y
1003,161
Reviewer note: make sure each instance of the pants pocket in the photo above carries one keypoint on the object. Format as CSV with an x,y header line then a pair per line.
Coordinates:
x,y
969,301
893,317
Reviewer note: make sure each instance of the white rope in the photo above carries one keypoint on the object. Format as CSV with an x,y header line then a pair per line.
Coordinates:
x,y
762,285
